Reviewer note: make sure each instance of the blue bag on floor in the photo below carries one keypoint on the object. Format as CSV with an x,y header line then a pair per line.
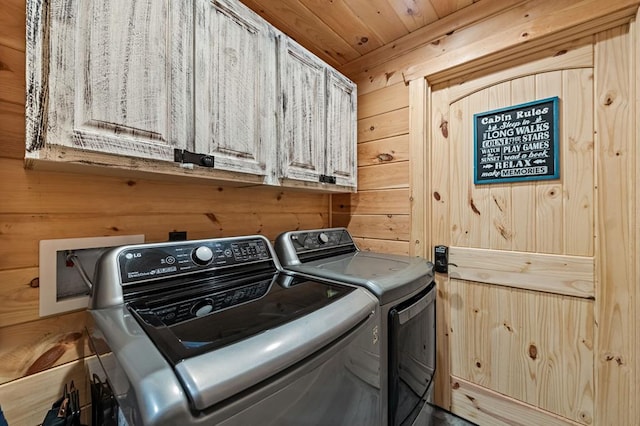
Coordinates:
x,y
3,421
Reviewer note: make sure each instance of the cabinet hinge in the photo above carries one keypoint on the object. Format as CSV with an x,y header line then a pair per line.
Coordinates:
x,y
184,156
327,179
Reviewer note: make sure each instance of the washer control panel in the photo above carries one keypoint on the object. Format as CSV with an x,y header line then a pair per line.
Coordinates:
x,y
202,305
139,263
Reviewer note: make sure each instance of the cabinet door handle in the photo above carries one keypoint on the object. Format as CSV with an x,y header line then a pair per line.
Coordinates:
x,y
184,156
327,179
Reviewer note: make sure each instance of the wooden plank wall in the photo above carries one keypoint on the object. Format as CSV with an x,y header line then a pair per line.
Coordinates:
x,y
382,72
38,355
378,216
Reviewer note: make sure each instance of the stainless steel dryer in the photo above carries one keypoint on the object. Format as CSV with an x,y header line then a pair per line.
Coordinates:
x,y
210,332
405,289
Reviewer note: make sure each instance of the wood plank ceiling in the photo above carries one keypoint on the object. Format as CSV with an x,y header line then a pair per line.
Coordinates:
x,y
340,31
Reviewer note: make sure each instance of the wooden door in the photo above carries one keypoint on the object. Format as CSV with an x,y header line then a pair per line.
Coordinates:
x,y
119,77
236,113
519,297
341,130
302,80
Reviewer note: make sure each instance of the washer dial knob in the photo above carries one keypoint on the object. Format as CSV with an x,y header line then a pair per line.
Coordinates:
x,y
202,308
202,255
323,238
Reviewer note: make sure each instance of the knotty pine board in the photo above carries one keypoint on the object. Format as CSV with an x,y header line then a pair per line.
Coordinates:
x,y
20,299
391,201
439,222
495,409
426,57
21,233
328,46
428,34
561,213
383,246
26,401
12,26
36,346
40,192
385,227
12,131
546,346
384,100
393,123
383,151
12,72
561,274
616,103
383,176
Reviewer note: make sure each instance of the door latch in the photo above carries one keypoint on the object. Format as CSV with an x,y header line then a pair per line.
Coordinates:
x,y
441,256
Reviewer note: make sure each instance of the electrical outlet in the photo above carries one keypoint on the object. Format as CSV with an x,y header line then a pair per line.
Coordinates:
x,y
62,287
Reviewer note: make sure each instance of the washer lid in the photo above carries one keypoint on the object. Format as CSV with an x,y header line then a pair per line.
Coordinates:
x,y
390,277
214,376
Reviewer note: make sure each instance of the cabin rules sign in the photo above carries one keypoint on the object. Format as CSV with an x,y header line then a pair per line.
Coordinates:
x,y
518,143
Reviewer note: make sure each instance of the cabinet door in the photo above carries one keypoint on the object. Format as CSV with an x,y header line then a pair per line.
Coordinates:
x,y
341,130
119,77
236,79
303,103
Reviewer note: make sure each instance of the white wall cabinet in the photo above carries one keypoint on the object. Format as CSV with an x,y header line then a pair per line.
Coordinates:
x,y
236,96
110,77
342,131
319,120
133,85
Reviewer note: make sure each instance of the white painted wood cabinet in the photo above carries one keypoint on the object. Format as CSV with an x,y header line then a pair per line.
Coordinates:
x,y
110,77
132,85
342,131
319,120
236,96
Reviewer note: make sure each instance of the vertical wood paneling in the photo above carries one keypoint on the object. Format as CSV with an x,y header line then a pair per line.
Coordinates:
x,y
523,215
577,161
418,179
500,205
458,173
478,206
439,196
616,258
544,340
549,206
635,33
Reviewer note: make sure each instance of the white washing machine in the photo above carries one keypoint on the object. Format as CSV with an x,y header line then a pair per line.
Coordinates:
x,y
405,288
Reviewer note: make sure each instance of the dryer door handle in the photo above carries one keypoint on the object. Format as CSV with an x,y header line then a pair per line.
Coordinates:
x,y
416,308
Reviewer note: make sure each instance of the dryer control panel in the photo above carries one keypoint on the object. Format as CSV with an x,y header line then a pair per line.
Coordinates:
x,y
304,241
299,246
